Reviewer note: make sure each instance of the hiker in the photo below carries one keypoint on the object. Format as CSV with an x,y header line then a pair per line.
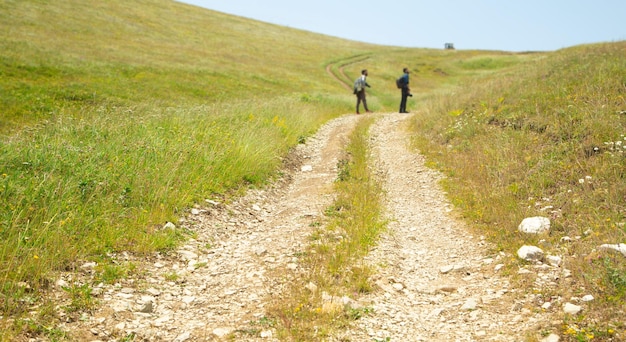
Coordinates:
x,y
359,91
406,91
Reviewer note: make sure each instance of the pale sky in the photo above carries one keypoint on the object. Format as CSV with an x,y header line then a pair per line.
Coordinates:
x,y
509,25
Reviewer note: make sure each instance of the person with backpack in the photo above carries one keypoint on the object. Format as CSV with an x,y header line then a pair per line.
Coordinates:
x,y
403,84
359,90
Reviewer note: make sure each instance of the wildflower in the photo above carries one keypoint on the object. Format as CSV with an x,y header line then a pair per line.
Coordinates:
x,y
581,181
35,256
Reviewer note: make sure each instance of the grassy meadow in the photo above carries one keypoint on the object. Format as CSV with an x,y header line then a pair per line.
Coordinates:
x,y
116,117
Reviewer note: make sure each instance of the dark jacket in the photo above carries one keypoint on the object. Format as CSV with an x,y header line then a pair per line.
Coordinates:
x,y
405,81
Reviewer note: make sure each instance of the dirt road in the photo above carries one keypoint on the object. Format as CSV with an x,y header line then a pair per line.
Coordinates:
x,y
435,281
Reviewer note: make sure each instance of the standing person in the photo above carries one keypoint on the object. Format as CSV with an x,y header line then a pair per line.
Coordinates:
x,y
406,91
359,91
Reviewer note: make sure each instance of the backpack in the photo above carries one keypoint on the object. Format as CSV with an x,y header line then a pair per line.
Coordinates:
x,y
400,83
358,85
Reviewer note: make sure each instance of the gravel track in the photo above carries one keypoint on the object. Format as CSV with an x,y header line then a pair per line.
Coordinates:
x,y
434,281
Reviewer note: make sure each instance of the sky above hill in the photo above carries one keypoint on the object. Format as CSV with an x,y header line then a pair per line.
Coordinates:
x,y
509,25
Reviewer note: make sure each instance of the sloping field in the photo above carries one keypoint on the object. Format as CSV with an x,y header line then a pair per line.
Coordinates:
x,y
117,117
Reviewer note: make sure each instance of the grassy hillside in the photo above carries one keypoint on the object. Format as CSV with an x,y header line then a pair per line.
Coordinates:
x,y
87,53
117,116
547,139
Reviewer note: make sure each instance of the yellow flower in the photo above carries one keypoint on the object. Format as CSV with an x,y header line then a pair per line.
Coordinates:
x,y
35,256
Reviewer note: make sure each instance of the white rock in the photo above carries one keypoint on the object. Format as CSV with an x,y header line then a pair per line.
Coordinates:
x,y
551,338
256,207
311,287
266,334
159,322
221,332
619,247
498,267
470,304
124,295
534,225
120,306
195,211
446,269
587,298
571,309
530,253
187,255
307,168
183,337
546,305
62,283
554,260
170,225
152,291
398,286
260,250
212,202
88,265
436,312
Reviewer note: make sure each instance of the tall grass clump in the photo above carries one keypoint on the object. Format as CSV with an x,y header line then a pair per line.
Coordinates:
x,y
334,260
545,140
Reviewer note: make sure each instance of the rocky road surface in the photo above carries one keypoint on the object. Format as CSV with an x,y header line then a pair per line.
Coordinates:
x,y
435,281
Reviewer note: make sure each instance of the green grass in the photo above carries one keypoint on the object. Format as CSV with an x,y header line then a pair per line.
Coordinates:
x,y
545,139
